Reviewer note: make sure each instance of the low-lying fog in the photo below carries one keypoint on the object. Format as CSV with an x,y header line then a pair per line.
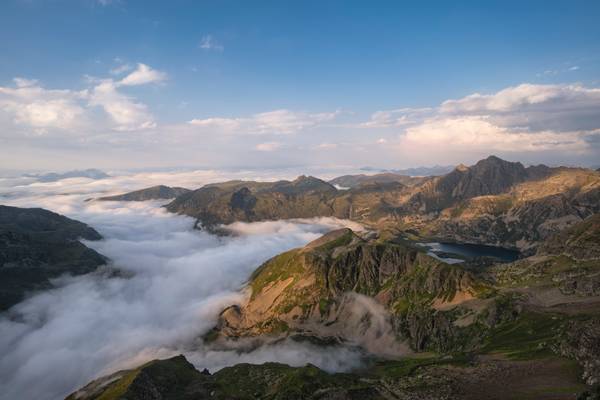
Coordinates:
x,y
179,279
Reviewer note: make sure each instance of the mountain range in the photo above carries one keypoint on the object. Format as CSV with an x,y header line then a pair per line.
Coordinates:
x,y
476,329
493,202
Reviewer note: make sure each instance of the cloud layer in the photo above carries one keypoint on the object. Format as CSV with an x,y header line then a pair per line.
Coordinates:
x,y
174,282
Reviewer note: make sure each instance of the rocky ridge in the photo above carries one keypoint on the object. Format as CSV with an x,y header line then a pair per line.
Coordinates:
x,y
37,245
493,202
388,298
159,192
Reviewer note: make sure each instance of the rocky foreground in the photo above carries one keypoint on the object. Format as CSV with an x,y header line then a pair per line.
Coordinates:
x,y
523,330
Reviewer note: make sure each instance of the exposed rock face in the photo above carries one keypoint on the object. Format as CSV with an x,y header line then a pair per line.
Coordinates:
x,y
493,202
488,177
381,296
37,245
581,342
152,193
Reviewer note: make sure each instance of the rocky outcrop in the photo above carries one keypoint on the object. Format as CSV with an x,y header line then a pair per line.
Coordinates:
x,y
159,192
581,341
385,297
581,241
37,245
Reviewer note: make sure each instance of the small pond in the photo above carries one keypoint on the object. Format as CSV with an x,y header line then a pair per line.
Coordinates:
x,y
444,252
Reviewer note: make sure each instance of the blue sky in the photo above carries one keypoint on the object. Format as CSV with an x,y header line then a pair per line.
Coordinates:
x,y
234,60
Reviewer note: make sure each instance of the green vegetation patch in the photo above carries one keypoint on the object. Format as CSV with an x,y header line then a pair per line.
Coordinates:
x,y
527,337
408,366
281,267
118,389
343,240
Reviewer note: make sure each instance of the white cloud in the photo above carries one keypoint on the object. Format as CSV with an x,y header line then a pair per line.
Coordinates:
x,y
574,68
535,107
228,124
271,122
121,69
268,146
209,43
124,111
31,105
36,110
23,82
395,118
479,135
523,96
143,75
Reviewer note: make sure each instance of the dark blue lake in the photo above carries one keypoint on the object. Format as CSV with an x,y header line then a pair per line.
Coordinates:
x,y
470,251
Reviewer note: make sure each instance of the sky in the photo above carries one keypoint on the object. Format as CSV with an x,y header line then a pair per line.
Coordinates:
x,y
271,84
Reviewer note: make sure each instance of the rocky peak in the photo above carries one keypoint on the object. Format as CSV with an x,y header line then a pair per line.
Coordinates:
x,y
461,167
303,185
490,176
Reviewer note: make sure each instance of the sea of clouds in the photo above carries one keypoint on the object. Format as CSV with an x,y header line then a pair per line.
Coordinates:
x,y
174,282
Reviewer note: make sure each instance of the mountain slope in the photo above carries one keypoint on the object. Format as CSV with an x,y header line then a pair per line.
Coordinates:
x,y
304,197
367,292
37,245
493,202
426,378
520,330
351,181
152,193
581,241
177,379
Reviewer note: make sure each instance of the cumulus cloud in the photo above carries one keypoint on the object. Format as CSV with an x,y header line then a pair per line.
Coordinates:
x,y
143,75
270,122
478,134
32,105
38,110
542,121
535,107
125,112
175,282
